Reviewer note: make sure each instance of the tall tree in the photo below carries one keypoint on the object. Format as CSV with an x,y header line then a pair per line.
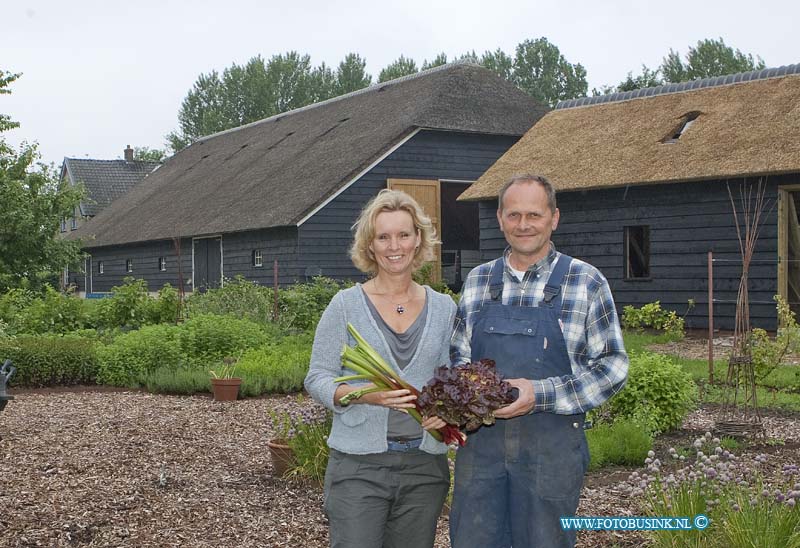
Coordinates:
x,y
351,74
32,204
499,62
541,71
709,58
437,61
259,89
401,67
147,154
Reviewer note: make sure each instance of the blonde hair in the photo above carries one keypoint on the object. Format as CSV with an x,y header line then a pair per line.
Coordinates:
x,y
389,200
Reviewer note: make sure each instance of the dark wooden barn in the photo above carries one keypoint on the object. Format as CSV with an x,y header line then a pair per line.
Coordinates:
x,y
643,179
288,188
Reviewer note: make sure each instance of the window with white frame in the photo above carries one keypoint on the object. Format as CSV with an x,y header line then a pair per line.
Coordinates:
x,y
63,224
162,264
258,258
74,225
100,267
128,265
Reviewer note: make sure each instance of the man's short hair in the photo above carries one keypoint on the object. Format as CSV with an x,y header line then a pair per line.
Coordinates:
x,y
530,178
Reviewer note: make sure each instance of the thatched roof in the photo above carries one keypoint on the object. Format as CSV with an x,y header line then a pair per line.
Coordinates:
x,y
744,126
105,180
276,171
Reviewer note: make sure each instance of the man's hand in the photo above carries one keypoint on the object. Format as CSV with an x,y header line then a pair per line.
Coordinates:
x,y
523,404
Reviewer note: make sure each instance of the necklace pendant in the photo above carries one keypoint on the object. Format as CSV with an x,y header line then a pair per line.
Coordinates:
x,y
400,309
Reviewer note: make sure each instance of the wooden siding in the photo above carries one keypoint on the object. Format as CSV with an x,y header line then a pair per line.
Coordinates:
x,y
325,238
145,265
274,243
686,221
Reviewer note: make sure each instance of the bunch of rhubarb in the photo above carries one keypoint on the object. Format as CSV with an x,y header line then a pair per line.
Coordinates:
x,y
368,365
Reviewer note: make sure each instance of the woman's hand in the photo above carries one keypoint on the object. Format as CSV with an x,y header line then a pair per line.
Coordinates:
x,y
393,399
433,423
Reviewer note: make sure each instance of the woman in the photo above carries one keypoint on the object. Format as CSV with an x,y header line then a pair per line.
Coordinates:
x,y
387,477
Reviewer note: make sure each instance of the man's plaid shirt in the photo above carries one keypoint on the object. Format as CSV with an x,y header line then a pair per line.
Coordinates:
x,y
588,321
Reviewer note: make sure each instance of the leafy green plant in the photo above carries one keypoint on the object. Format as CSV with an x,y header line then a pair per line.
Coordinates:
x,y
137,353
657,390
208,338
652,316
424,276
622,442
227,370
48,360
237,297
279,367
768,353
310,447
301,305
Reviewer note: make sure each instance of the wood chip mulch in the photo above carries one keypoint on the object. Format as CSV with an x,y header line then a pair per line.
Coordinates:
x,y
129,469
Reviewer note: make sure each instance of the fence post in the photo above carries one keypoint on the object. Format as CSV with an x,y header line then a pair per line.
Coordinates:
x,y
711,317
275,290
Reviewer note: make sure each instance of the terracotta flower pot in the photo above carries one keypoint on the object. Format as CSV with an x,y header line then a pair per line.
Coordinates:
x,y
282,457
225,389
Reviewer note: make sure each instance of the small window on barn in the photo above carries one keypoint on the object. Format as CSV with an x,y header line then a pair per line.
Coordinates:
x,y
128,265
258,259
99,267
637,252
162,264
686,122
63,224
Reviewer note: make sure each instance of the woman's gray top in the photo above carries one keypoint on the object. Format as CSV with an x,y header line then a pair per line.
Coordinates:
x,y
401,426
361,428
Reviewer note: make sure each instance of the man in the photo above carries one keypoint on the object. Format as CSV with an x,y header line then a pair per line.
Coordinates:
x,y
549,322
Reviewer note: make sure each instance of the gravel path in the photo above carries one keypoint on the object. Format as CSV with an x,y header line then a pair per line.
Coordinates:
x,y
130,469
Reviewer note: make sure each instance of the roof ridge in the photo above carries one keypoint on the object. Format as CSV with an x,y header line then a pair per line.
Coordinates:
x,y
369,89
115,160
714,81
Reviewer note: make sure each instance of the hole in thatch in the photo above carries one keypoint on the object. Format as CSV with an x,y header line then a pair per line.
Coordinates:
x,y
686,121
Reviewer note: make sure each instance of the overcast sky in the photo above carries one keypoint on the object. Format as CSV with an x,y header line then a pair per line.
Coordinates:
x,y
99,75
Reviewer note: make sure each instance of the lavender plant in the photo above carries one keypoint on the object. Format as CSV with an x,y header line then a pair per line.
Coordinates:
x,y
746,506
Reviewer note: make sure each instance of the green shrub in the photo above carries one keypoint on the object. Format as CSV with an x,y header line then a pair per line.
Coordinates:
x,y
47,360
134,354
237,297
769,353
652,316
165,308
168,380
658,393
302,305
54,312
13,304
127,306
207,338
623,442
279,367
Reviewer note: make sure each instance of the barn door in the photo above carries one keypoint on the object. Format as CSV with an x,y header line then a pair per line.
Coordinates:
x,y
207,262
427,195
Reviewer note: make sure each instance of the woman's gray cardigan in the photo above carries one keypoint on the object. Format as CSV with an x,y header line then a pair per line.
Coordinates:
x,y
361,428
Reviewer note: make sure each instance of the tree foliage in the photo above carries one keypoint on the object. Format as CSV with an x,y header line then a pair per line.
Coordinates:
x,y
32,204
260,89
709,58
542,71
147,154
402,66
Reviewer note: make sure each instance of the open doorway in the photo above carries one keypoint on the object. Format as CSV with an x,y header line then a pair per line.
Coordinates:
x,y
460,234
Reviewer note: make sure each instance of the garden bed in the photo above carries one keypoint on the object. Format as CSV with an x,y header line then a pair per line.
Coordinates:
x,y
100,468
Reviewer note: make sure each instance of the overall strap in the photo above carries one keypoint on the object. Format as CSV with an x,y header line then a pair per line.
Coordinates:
x,y
553,287
496,279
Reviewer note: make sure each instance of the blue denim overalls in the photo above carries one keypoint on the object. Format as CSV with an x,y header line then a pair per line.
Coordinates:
x,y
515,479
